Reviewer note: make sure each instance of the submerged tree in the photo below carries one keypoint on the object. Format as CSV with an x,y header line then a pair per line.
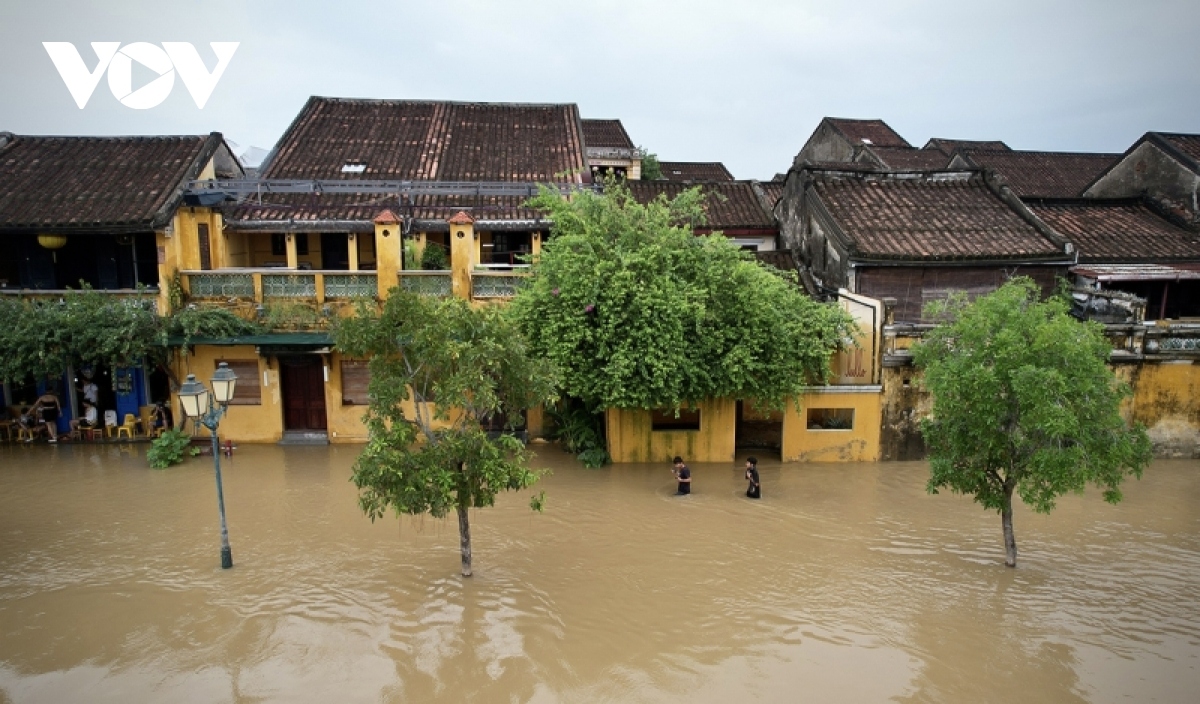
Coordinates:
x,y
1023,403
638,312
440,370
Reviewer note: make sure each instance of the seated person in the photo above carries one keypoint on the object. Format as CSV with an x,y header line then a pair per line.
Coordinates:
x,y
89,419
160,417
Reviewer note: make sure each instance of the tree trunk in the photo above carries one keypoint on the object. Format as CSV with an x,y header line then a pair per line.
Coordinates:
x,y
1010,540
464,538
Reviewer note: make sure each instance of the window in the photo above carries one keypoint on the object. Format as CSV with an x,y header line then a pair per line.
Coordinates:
x,y
356,376
665,419
248,389
279,243
831,419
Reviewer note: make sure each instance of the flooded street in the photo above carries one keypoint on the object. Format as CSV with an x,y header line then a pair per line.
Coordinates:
x,y
846,583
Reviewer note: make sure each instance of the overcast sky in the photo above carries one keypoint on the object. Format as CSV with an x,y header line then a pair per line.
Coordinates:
x,y
744,83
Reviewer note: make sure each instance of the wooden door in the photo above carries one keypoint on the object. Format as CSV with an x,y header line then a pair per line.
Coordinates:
x,y
303,384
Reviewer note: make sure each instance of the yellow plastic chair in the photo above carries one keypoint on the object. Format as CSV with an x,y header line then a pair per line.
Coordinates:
x,y
129,427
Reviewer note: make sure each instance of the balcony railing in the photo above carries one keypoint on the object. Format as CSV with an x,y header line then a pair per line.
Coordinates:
x,y
428,283
255,284
489,284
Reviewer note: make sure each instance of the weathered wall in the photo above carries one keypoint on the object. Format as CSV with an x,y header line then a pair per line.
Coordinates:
x,y
1147,169
859,443
1166,399
631,439
913,287
826,144
904,403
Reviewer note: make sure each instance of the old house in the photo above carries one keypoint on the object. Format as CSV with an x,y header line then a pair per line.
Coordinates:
x,y
841,140
733,208
1162,165
915,236
1035,174
610,151
104,212
349,201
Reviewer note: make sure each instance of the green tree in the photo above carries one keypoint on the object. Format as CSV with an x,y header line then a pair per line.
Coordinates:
x,y
636,311
1023,402
651,168
456,367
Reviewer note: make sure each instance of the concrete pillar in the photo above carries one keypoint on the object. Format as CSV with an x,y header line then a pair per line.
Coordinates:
x,y
352,247
293,258
462,253
388,257
535,246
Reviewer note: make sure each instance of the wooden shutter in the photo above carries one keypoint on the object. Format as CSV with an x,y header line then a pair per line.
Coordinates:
x,y
248,390
205,249
355,377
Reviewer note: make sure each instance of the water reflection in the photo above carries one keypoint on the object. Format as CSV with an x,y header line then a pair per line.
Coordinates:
x,y
845,583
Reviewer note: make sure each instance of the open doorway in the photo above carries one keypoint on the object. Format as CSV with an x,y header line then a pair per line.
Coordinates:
x,y
760,430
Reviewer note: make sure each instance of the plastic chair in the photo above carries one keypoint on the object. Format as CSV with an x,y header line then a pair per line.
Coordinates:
x,y
110,423
129,427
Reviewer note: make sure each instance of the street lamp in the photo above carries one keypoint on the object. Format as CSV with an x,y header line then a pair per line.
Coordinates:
x,y
196,401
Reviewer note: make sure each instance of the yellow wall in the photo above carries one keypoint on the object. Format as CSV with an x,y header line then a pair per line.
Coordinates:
x,y
262,423
630,438
1166,399
858,444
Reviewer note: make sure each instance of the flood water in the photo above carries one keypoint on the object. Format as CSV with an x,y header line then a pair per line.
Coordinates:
x,y
846,583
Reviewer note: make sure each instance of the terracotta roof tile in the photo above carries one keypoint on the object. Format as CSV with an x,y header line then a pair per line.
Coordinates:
x,y
1042,174
951,215
730,205
461,218
695,171
606,133
1188,144
430,140
66,183
279,211
901,158
948,146
1118,231
386,217
867,132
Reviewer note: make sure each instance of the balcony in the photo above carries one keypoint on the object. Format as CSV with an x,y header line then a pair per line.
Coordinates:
x,y
260,284
428,283
496,284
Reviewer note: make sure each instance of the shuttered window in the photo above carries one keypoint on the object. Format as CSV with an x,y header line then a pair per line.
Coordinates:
x,y
355,378
248,390
205,249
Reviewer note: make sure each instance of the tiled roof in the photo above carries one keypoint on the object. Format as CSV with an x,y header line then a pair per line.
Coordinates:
x,y
309,211
1043,174
1118,231
909,158
730,205
431,140
76,183
947,146
606,133
948,215
867,132
1187,144
695,171
769,193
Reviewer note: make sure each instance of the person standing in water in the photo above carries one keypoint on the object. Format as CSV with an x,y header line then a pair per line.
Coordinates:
x,y
683,475
754,488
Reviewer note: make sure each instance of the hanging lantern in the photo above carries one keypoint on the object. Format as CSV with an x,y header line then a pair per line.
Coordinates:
x,y
52,241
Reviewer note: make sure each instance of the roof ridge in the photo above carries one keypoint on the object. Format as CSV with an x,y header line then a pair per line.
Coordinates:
x,y
429,101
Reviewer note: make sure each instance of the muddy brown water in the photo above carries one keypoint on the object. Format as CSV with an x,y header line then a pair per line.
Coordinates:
x,y
846,583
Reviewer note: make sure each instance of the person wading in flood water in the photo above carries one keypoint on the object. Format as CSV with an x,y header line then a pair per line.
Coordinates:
x,y
754,488
683,475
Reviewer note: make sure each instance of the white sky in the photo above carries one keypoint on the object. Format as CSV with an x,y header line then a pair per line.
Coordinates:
x,y
744,83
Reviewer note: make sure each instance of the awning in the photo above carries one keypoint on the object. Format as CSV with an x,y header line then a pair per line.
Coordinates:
x,y
268,344
1138,272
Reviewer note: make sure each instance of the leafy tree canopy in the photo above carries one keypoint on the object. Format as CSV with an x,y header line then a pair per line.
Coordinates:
x,y
636,311
39,337
651,168
1023,401
439,370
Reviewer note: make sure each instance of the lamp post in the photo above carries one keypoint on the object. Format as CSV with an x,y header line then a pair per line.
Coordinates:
x,y
197,403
